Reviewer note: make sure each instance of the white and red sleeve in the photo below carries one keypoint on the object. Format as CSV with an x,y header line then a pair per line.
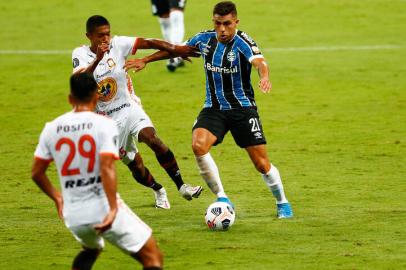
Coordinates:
x,y
43,150
127,45
109,139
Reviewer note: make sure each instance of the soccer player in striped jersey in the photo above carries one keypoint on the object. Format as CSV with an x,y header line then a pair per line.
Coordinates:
x,y
229,55
84,146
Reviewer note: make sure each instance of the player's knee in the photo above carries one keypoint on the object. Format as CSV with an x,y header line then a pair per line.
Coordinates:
x,y
150,256
199,148
262,165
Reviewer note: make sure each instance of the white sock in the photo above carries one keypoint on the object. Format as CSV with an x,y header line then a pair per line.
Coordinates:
x,y
274,182
177,26
165,28
210,173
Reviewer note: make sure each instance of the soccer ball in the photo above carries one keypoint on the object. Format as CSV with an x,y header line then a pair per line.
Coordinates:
x,y
219,216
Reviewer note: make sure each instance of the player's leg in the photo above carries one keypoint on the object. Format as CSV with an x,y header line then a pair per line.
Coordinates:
x,y
143,176
248,133
134,237
272,178
161,9
131,157
168,161
176,17
85,259
92,246
209,130
149,255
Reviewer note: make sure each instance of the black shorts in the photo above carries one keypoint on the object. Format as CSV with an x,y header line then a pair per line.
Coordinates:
x,y
160,7
244,125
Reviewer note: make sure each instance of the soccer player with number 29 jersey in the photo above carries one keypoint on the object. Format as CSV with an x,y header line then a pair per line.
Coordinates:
x,y
105,58
84,146
228,55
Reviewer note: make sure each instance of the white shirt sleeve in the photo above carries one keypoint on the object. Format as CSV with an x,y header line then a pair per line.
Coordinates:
x,y
126,45
43,150
109,139
78,60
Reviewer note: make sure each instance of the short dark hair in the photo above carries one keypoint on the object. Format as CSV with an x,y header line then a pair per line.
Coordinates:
x,y
95,21
224,8
83,86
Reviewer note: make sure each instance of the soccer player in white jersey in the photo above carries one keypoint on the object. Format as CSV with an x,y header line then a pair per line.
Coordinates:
x,y
84,146
105,59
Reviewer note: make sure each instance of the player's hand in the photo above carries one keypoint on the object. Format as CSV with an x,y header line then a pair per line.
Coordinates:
x,y
107,222
59,205
265,85
135,64
101,50
185,51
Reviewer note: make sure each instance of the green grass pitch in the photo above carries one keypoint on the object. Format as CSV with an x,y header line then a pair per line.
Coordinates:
x,y
335,123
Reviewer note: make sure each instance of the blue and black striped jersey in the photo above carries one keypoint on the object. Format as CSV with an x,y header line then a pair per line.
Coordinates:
x,y
228,69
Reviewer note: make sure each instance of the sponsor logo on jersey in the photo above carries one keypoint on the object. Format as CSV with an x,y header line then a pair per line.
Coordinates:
x,y
225,70
82,182
255,49
107,89
247,38
231,56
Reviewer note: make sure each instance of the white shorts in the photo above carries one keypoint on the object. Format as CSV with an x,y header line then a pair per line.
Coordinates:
x,y
130,122
128,232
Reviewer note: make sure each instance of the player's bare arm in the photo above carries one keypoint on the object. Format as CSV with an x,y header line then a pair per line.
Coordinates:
x,y
139,64
39,176
108,176
264,83
174,50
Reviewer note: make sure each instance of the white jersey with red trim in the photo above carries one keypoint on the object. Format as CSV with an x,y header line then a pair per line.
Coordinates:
x,y
116,92
75,141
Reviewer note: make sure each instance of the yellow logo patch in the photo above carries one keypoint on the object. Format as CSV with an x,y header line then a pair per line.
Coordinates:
x,y
107,89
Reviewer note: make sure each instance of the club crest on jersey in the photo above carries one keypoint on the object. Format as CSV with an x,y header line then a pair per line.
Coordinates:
x,y
75,62
110,62
231,56
107,89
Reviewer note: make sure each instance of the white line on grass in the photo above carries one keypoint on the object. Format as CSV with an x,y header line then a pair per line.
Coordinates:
x,y
287,49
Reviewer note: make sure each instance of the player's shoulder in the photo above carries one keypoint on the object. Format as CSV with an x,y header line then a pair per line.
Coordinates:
x,y
81,50
206,33
121,39
243,36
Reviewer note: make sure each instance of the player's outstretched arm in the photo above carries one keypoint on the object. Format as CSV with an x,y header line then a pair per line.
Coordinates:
x,y
39,176
174,50
264,83
108,176
139,64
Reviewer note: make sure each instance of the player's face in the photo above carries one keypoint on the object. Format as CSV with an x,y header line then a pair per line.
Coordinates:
x,y
225,26
100,35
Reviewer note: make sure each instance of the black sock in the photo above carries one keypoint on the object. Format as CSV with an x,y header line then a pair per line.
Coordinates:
x,y
168,162
145,179
153,268
85,259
